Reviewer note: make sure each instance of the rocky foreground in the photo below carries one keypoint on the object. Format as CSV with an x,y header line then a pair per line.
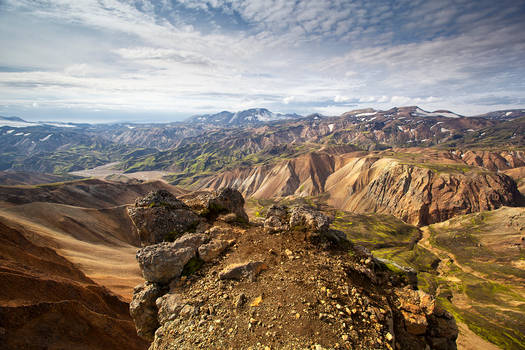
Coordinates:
x,y
293,283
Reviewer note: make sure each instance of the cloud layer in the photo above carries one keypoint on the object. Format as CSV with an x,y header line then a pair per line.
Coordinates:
x,y
171,59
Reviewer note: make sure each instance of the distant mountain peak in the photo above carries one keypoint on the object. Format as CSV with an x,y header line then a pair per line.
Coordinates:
x,y
252,116
14,119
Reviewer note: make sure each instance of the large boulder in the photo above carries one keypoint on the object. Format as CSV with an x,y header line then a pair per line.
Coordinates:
x,y
160,216
211,204
165,261
143,309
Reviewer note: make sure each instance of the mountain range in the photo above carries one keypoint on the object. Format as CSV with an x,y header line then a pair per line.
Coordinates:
x,y
254,116
182,147
341,216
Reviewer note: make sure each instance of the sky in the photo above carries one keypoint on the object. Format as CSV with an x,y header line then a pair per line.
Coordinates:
x,y
165,60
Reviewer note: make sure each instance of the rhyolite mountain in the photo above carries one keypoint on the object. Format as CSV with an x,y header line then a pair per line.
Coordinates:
x,y
191,148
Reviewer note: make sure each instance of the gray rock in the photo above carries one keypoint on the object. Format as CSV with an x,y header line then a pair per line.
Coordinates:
x,y
243,270
214,203
143,309
309,219
276,219
213,249
190,240
169,306
279,211
165,261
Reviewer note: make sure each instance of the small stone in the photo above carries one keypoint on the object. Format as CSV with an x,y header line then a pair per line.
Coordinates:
x,y
344,337
241,270
256,301
389,336
240,301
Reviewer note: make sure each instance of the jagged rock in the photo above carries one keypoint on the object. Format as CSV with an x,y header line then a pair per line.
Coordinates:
x,y
213,203
279,211
160,198
443,330
308,219
213,249
143,309
243,270
276,219
165,261
190,240
160,216
169,306
415,306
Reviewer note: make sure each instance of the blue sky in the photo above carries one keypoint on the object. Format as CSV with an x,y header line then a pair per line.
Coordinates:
x,y
107,60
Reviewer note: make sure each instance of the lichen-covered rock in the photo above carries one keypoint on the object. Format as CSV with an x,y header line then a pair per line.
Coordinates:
x,y
243,270
160,216
213,203
165,261
143,309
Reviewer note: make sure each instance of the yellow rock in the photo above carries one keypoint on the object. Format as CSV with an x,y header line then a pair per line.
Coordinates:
x,y
256,301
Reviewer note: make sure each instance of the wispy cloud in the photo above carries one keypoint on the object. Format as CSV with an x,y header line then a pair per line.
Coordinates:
x,y
188,56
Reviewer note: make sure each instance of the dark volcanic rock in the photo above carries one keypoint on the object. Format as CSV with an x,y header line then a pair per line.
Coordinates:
x,y
212,204
276,219
160,216
143,309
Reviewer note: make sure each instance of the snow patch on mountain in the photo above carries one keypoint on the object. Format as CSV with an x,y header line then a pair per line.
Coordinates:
x,y
46,138
421,113
247,117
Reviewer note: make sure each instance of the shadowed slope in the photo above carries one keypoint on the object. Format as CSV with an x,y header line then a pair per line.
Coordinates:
x,y
46,302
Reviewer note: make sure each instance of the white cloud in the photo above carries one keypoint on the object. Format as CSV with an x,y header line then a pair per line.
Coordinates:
x,y
309,55
288,99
